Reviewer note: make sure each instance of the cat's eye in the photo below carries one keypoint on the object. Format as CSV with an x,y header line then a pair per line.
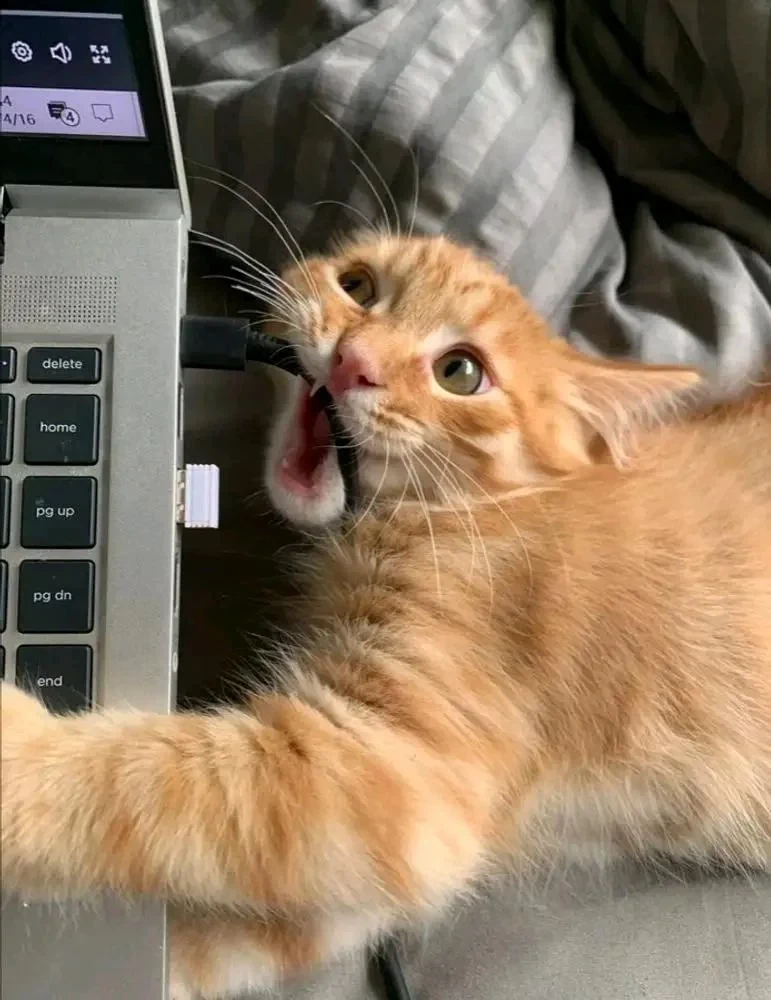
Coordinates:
x,y
359,285
461,373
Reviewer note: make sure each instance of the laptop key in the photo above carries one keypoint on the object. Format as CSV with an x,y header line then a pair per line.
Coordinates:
x,y
81,365
7,364
3,592
56,596
6,428
5,511
61,675
58,512
61,430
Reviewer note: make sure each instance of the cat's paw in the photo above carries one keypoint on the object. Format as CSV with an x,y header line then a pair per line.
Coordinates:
x,y
22,721
179,992
19,711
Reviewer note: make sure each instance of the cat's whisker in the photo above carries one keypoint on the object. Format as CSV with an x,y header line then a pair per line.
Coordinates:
x,y
357,442
353,445
253,291
474,527
377,174
412,473
298,260
375,194
200,238
218,277
288,350
416,191
375,495
223,246
258,313
255,282
276,310
450,506
397,506
592,297
262,270
348,208
261,315
299,257
482,542
273,310
274,293
478,486
273,297
624,293
273,280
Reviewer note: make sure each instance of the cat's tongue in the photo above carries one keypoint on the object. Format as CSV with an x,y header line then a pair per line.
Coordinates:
x,y
311,441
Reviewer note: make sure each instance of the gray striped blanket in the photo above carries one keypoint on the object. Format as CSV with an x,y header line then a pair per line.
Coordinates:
x,y
612,156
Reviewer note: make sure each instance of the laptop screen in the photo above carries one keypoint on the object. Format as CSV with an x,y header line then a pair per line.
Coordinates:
x,y
81,101
68,74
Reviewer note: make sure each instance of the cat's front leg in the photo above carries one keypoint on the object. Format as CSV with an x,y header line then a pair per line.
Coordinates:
x,y
281,806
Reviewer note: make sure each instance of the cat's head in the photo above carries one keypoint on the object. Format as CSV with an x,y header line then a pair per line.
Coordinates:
x,y
447,379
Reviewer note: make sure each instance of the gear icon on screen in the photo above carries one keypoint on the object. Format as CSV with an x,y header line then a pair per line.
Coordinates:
x,y
21,51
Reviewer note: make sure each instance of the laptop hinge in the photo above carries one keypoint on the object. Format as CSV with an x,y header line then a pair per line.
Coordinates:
x,y
5,208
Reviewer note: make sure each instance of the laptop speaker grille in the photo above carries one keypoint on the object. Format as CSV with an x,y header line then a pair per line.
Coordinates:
x,y
53,298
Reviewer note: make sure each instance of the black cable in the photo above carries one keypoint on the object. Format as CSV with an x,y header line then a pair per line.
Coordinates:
x,y
225,343
385,960
272,351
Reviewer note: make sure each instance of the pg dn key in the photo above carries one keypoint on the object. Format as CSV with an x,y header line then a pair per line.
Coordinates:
x,y
56,596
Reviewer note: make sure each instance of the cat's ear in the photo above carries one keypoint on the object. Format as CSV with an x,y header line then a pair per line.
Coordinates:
x,y
601,405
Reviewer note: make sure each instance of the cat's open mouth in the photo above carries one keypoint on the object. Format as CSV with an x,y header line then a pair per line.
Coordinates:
x,y
309,445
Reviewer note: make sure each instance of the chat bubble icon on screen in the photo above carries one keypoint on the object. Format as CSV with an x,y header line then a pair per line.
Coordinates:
x,y
102,112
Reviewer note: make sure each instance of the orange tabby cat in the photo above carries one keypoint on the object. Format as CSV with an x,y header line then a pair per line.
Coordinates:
x,y
550,633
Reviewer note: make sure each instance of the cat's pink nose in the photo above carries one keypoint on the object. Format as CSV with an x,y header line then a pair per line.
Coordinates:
x,y
352,368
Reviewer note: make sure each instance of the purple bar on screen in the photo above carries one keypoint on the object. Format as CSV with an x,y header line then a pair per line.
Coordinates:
x,y
51,111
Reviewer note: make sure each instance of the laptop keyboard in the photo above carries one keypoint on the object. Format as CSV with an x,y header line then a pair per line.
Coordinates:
x,y
51,434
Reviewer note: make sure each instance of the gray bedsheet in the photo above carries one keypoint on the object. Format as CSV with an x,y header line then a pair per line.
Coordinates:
x,y
614,158
661,249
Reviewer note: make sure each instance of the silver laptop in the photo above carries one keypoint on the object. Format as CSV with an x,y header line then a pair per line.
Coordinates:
x,y
94,235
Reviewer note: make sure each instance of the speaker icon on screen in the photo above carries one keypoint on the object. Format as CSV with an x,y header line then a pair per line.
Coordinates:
x,y
61,52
